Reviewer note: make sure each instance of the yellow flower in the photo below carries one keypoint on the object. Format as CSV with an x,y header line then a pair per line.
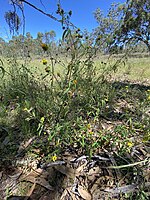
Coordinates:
x,y
54,158
88,126
75,82
148,90
91,132
42,120
25,109
130,144
44,61
148,98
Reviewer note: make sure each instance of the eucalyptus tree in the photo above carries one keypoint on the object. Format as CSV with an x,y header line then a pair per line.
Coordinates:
x,y
135,22
107,25
125,23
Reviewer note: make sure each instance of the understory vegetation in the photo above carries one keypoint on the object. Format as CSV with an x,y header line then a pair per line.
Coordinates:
x,y
81,109
74,122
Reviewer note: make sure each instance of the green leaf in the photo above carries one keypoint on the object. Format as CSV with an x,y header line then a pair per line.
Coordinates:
x,y
66,33
69,32
3,71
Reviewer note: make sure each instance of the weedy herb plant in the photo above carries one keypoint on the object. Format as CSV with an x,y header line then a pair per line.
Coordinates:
x,y
70,99
71,106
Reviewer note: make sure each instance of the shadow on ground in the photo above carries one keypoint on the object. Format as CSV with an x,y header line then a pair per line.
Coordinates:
x,y
11,139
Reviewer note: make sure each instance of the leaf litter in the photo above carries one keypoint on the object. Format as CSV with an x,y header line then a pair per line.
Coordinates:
x,y
85,178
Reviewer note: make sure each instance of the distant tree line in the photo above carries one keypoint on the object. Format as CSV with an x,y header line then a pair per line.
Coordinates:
x,y
26,45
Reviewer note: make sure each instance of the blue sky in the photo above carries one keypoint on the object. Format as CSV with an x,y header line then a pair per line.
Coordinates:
x,y
82,15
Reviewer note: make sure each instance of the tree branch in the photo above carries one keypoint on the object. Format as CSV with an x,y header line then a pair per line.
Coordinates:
x,y
41,11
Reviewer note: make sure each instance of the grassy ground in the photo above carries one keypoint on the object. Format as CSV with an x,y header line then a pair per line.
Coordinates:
x,y
56,129
132,69
137,69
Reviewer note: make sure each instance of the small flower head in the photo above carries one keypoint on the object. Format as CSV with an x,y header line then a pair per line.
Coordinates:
x,y
44,61
75,82
42,120
91,132
25,109
130,144
70,13
88,126
54,158
148,98
44,46
148,90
